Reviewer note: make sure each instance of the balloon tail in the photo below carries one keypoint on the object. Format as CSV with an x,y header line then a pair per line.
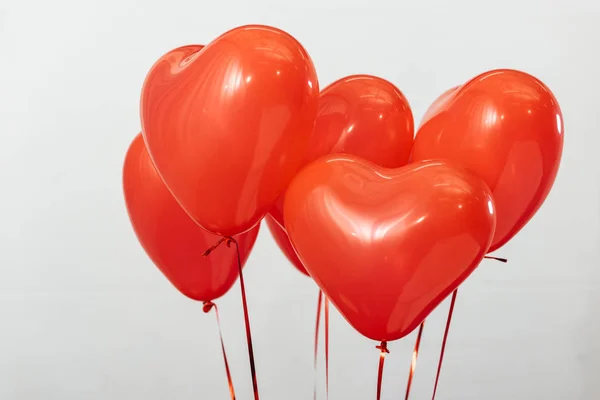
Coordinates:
x,y
383,351
442,352
413,363
317,341
504,260
229,240
208,305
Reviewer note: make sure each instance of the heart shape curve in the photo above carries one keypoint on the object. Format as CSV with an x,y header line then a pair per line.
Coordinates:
x,y
172,240
438,104
361,115
227,125
388,245
506,127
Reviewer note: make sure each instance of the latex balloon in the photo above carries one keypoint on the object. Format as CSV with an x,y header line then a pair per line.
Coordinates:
x,y
171,239
438,104
227,126
386,246
506,127
284,244
362,115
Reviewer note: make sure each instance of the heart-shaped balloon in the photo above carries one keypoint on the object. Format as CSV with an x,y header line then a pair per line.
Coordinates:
x,y
172,240
227,126
506,127
438,104
361,115
388,245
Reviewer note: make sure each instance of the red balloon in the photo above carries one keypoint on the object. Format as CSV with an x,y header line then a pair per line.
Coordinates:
x,y
362,115
282,240
388,245
438,104
171,239
227,126
506,127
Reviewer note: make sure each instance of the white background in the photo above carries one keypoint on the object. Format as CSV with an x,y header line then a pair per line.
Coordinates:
x,y
85,315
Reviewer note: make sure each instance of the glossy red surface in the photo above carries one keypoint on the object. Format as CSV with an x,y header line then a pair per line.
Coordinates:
x,y
506,127
172,240
227,126
386,246
438,104
362,115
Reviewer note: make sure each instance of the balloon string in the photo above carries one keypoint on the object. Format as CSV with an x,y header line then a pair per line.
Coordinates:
x,y
447,330
208,305
317,341
413,363
383,351
229,240
442,352
326,313
326,347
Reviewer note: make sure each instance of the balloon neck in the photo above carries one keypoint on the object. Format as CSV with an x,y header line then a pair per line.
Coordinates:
x,y
383,347
207,306
228,241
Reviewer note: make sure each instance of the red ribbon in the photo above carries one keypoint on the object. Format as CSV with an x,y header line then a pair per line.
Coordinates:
x,y
326,347
229,240
447,330
413,363
206,308
442,352
383,351
317,325
317,341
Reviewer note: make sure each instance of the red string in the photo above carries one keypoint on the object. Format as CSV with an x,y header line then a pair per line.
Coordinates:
x,y
230,240
246,320
447,330
413,363
326,347
317,341
384,350
206,308
326,312
439,368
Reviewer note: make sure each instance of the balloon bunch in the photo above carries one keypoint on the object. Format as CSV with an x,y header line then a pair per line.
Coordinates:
x,y
386,222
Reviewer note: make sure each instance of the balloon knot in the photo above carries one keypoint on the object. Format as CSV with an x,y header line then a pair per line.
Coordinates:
x,y
383,347
214,246
207,306
229,241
